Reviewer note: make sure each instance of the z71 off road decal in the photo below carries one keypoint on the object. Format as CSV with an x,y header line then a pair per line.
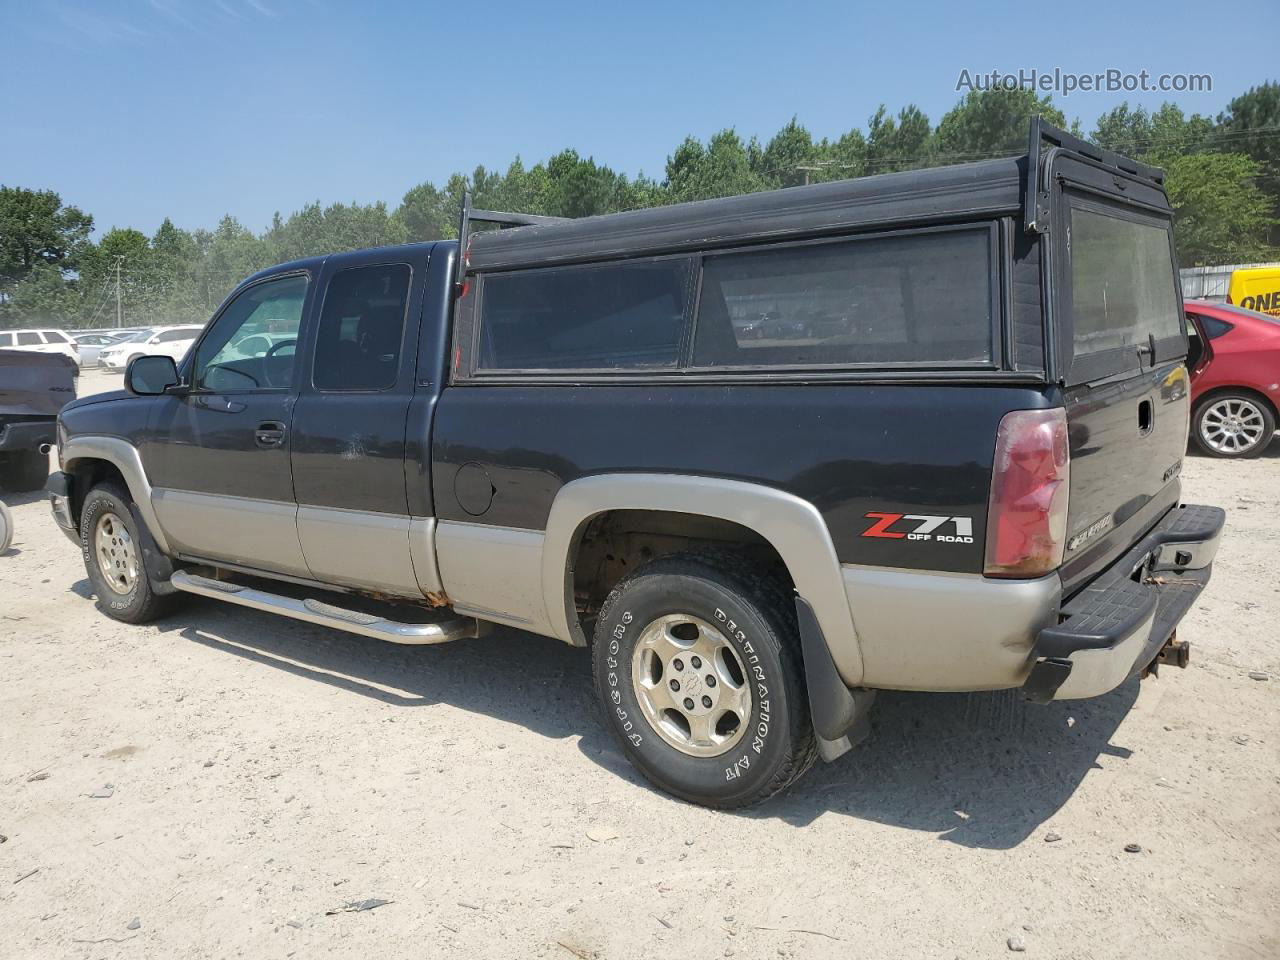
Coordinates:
x,y
916,526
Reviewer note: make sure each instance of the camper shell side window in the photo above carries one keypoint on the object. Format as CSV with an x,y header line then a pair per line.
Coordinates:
x,y
919,300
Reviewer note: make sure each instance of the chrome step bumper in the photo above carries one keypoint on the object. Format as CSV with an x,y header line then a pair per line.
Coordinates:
x,y
327,615
1115,627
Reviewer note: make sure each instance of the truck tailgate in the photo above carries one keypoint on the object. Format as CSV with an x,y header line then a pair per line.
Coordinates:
x,y
34,384
1127,438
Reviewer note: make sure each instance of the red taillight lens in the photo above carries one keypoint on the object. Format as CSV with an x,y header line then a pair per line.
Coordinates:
x,y
1027,515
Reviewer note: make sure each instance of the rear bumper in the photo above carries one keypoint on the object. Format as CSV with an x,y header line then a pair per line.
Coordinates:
x,y
27,435
1116,626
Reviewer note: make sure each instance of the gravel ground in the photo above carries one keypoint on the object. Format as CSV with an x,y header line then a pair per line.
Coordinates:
x,y
220,783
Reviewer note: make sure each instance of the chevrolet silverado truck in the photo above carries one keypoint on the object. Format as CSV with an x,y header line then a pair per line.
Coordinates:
x,y
949,461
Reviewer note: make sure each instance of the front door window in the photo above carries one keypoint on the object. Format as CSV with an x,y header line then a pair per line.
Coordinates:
x,y
252,343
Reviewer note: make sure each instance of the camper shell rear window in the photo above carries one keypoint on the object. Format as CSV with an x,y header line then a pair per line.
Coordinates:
x,y
1125,310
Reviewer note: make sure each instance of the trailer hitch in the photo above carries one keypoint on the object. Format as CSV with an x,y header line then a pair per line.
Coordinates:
x,y
1174,653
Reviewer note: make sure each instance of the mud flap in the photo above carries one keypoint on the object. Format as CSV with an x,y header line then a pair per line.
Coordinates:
x,y
840,715
157,566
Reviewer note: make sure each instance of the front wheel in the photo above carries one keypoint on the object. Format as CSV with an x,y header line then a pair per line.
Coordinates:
x,y
699,674
114,560
1233,425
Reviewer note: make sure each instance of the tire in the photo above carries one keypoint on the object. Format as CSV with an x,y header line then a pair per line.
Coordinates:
x,y
1235,426
6,528
24,472
109,539
755,715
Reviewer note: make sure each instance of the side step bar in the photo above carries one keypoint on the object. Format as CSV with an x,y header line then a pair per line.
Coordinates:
x,y
327,615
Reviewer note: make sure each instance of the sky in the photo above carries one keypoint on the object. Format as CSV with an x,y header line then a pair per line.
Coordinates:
x,y
135,110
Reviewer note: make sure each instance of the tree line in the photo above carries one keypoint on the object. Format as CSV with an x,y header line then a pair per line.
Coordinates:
x,y
1223,179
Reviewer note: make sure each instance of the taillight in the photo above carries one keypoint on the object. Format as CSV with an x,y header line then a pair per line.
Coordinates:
x,y
1027,515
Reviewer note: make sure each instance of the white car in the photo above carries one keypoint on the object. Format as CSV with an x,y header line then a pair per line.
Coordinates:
x,y
41,341
153,341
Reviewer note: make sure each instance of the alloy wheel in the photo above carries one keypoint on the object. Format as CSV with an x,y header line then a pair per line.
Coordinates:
x,y
116,554
1232,426
691,685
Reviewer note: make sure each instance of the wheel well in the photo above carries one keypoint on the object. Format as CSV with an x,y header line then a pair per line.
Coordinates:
x,y
86,475
1246,391
614,543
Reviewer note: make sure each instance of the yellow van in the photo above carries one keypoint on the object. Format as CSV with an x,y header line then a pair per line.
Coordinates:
x,y
1257,288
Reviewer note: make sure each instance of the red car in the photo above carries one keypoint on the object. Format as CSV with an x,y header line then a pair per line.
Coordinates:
x,y
1235,378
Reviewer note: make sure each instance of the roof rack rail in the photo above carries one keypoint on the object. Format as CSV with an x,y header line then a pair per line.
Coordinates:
x,y
504,221
1044,139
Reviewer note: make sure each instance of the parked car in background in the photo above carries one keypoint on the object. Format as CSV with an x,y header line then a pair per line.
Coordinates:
x,y
126,339
41,340
153,341
91,345
269,337
1234,360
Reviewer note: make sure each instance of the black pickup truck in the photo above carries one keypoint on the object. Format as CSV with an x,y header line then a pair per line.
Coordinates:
x,y
764,455
33,388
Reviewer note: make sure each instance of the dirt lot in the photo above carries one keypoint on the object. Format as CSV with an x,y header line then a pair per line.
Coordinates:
x,y
262,773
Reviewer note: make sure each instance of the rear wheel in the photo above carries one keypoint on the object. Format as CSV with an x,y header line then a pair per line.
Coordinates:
x,y
699,674
114,560
1233,425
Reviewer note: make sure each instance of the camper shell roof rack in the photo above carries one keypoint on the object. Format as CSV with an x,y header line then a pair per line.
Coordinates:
x,y
1016,186
503,220
1044,142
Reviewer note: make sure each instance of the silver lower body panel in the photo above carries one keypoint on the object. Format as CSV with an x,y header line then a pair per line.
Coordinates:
x,y
947,631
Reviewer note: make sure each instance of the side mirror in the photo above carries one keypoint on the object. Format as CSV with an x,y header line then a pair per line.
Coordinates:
x,y
151,376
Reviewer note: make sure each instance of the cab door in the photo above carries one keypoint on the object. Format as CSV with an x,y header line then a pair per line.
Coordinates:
x,y
349,427
217,454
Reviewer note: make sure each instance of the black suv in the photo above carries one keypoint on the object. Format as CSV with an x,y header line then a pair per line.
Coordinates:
x,y
765,455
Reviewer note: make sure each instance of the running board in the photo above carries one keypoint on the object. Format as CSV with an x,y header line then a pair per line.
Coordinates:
x,y
327,615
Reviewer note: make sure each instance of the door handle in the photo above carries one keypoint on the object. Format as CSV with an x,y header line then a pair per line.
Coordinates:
x,y
270,433
1146,417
